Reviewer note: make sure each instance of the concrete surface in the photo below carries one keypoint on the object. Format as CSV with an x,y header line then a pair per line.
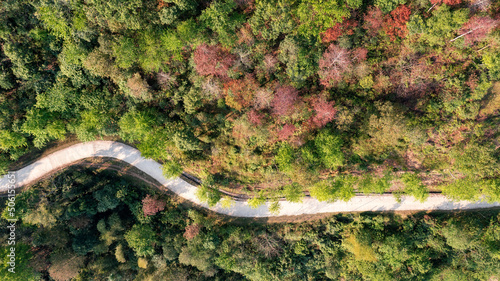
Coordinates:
x,y
120,151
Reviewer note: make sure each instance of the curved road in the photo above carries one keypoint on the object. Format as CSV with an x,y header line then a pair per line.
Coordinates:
x,y
187,191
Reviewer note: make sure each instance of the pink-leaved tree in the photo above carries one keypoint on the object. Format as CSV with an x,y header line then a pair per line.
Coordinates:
x,y
332,66
476,29
152,205
213,60
284,100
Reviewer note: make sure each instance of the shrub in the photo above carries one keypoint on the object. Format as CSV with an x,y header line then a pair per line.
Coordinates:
x,y
257,200
369,184
171,169
293,192
227,202
208,195
275,207
475,160
471,188
414,187
341,188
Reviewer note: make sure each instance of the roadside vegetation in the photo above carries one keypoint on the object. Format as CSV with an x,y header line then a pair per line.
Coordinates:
x,y
88,225
267,97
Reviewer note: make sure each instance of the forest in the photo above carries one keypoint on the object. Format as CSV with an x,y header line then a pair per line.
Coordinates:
x,y
85,224
270,98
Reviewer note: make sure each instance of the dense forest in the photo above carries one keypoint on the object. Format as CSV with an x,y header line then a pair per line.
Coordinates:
x,y
89,225
267,97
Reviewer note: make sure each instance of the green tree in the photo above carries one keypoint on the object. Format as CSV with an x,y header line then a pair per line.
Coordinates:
x,y
492,62
386,130
44,126
271,19
293,192
222,18
257,200
43,215
54,18
10,140
443,24
141,238
92,123
125,52
209,195
106,198
388,5
285,158
186,141
136,125
341,188
117,15
300,61
171,169
476,160
328,147
22,269
413,186
316,16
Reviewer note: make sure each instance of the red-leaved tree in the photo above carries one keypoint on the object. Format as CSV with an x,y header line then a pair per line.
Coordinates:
x,y
476,29
152,205
346,27
334,63
373,20
359,54
395,23
284,100
239,93
212,60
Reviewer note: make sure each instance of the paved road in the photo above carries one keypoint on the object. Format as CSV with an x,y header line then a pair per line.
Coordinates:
x,y
132,156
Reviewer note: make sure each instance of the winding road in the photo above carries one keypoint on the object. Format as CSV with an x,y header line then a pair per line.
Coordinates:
x,y
132,156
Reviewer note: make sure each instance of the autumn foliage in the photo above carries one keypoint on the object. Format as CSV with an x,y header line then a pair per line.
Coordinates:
x,y
286,132
324,111
239,93
477,28
374,19
334,63
284,100
255,117
191,231
152,205
395,23
212,60
447,2
344,28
